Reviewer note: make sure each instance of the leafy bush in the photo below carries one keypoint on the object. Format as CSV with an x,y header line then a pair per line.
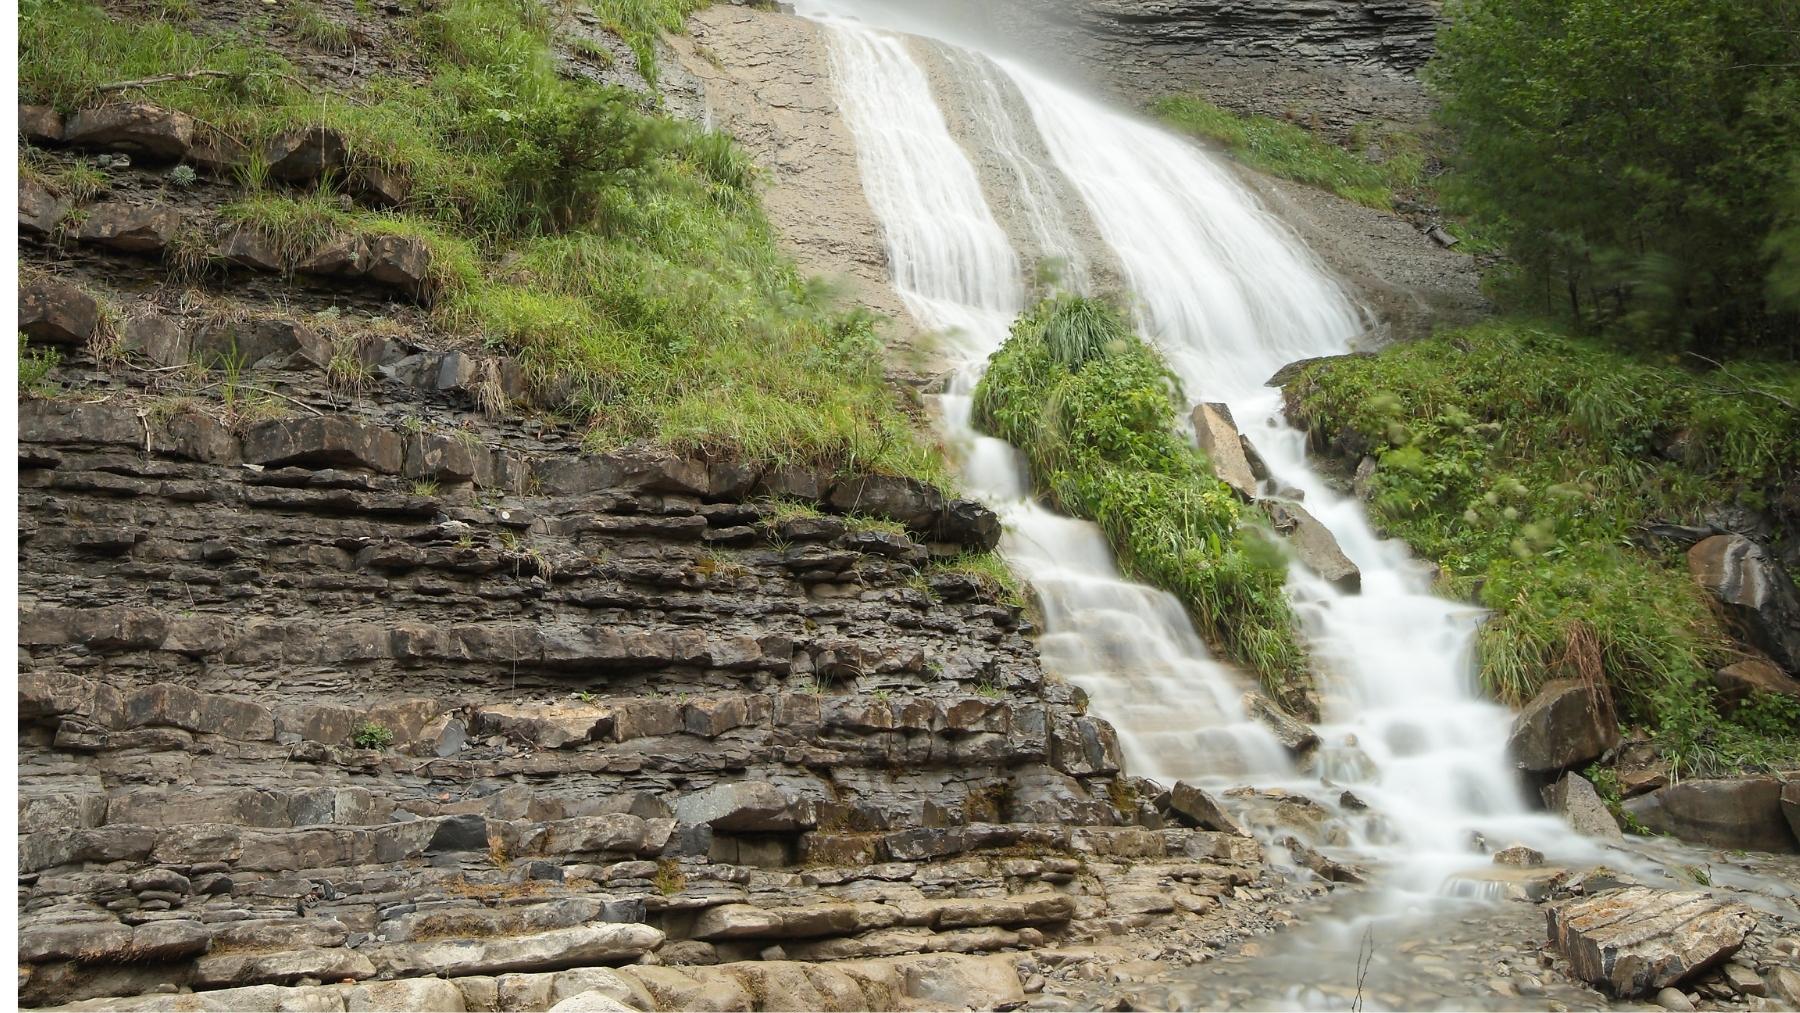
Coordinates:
x,y
1094,411
372,735
1292,152
1527,463
1640,161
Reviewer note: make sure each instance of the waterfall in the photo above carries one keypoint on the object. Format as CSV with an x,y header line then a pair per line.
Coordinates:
x,y
1229,296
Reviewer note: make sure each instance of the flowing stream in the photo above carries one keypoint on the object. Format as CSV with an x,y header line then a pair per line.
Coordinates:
x,y
1229,296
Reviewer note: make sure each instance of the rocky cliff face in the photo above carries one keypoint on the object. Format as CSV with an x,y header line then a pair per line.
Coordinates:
x,y
346,683
1331,62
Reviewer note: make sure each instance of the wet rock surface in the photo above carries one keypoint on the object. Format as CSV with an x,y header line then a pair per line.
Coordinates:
x,y
1636,941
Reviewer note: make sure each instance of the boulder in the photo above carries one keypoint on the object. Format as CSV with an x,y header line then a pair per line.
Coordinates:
x,y
1313,543
1757,593
140,128
1565,725
1574,799
157,337
40,211
129,228
1223,445
745,807
328,442
969,524
1630,943
1753,675
1203,810
257,343
305,154
1743,812
402,262
247,247
57,312
40,124
1520,856
909,501
1293,733
547,726
343,255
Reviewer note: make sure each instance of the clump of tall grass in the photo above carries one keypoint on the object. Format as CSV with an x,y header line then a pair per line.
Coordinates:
x,y
1093,408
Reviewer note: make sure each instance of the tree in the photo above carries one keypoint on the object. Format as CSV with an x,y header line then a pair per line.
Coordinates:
x,y
1640,159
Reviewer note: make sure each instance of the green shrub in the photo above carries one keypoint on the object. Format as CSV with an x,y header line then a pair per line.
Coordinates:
x,y
639,21
1527,463
372,735
1094,411
35,367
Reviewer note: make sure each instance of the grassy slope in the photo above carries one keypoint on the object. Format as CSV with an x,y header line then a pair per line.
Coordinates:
x,y
1093,409
1525,462
621,255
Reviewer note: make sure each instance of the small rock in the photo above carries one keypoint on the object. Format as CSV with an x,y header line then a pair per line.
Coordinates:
x,y
138,127
1203,810
1743,980
57,312
1519,855
1674,999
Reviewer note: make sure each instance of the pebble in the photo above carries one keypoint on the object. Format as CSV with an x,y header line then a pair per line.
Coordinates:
x,y
1670,998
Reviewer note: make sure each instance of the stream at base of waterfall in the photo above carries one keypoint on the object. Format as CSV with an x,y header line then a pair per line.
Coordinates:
x,y
1229,296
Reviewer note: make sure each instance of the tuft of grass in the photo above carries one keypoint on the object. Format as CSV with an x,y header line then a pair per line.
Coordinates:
x,y
1096,420
1292,152
991,571
310,25
1528,463
639,21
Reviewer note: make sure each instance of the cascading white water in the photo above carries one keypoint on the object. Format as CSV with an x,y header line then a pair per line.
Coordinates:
x,y
957,273
1229,296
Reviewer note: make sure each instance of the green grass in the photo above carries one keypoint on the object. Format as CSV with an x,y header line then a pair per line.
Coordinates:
x,y
1093,409
991,571
1292,152
1526,462
622,256
639,21
311,26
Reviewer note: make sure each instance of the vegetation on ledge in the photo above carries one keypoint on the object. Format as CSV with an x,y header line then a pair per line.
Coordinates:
x,y
1292,152
1093,409
1527,463
621,255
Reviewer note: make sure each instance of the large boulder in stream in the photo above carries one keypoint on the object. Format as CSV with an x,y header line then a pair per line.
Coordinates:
x,y
1632,942
1313,543
1740,812
1226,448
1574,799
1759,597
1568,724
1293,733
1204,811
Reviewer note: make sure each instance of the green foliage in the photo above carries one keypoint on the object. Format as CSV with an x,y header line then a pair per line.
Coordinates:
x,y
991,571
1526,463
1606,785
621,255
310,25
1096,418
1292,152
1638,158
372,735
35,366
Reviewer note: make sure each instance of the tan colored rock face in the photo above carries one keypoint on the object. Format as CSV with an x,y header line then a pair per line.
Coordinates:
x,y
1224,447
767,77
1633,942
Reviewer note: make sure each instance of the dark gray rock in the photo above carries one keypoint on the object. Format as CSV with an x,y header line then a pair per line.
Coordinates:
x,y
140,128
1202,810
306,154
745,807
468,832
129,228
328,442
57,312
1566,725
1757,594
1313,543
1741,812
